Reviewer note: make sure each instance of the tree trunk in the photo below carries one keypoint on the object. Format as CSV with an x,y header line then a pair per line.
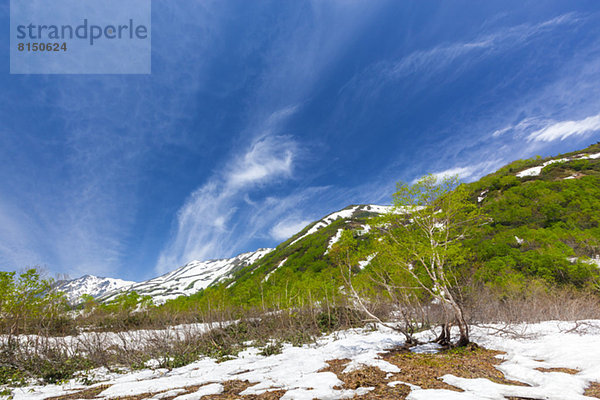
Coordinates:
x,y
463,340
444,337
463,327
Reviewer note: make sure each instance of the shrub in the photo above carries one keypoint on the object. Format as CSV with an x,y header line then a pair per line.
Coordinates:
x,y
271,349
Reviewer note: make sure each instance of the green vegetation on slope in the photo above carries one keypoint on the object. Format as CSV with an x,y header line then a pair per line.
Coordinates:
x,y
542,228
293,275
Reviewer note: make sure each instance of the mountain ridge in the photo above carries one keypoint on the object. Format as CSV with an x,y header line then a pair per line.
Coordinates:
x,y
197,275
303,263
95,286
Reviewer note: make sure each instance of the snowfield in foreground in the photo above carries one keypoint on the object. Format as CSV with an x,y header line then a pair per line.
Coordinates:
x,y
551,344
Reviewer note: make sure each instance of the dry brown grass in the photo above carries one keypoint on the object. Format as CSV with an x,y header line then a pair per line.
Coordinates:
x,y
83,394
93,393
569,371
50,359
366,377
424,370
593,390
232,389
535,303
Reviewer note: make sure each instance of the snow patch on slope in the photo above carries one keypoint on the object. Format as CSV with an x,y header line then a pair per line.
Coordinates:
x,y
593,261
191,278
482,196
346,213
334,240
365,229
92,285
325,222
374,208
535,171
276,268
362,264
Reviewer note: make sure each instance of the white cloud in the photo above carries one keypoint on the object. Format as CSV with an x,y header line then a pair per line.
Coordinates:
x,y
565,129
438,58
267,157
461,172
525,125
214,221
287,228
468,173
500,132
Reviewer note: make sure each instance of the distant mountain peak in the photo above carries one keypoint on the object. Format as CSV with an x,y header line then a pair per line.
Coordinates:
x,y
196,275
190,278
94,286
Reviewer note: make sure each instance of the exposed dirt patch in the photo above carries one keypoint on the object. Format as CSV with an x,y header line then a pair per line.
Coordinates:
x,y
385,392
142,396
470,362
366,377
82,394
336,365
520,398
232,389
422,370
569,371
593,390
274,395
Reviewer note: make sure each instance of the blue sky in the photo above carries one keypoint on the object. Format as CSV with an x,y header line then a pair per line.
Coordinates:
x,y
261,116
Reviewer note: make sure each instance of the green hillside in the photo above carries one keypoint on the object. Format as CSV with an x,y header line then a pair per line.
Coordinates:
x,y
542,227
297,272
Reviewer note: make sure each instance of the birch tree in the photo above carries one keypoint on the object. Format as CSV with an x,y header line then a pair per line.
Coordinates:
x,y
422,241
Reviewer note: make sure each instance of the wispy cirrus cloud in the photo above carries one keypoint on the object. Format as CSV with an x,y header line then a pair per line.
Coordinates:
x,y
463,135
232,209
565,129
205,226
267,158
287,228
526,125
540,129
461,172
469,172
438,59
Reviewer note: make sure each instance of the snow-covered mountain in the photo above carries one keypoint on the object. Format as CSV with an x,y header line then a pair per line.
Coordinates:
x,y
197,275
346,213
89,284
189,279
